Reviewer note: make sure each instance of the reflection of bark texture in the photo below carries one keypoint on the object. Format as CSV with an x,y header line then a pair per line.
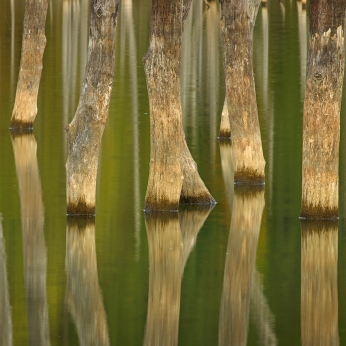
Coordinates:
x,y
171,238
248,206
5,308
319,295
191,221
83,294
165,251
34,247
263,318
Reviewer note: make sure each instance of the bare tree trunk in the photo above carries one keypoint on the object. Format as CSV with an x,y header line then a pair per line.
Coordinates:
x,y
83,293
247,212
321,121
33,45
84,133
173,175
237,23
319,283
225,126
34,246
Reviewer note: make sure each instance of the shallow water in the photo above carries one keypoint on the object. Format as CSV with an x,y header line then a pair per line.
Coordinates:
x,y
242,273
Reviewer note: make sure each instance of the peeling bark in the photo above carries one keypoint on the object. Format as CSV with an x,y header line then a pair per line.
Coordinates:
x,y
85,132
33,45
247,212
34,246
237,23
83,293
319,283
322,102
173,174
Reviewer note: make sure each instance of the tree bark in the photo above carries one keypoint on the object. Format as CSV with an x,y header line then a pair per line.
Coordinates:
x,y
33,45
240,263
225,126
319,283
173,174
84,133
83,293
237,23
34,246
322,102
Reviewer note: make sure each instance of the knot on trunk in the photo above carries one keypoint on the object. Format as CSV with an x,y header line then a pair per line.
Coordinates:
x,y
318,77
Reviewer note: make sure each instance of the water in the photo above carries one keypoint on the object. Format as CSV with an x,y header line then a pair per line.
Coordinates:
x,y
248,245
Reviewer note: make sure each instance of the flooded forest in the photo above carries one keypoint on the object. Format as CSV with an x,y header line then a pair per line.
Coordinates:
x,y
233,264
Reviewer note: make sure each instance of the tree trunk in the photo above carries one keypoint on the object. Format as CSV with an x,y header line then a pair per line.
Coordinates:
x,y
321,121
225,127
237,22
33,45
34,246
83,294
319,283
173,174
84,133
240,263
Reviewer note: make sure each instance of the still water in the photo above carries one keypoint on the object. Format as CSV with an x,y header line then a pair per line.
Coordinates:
x,y
246,272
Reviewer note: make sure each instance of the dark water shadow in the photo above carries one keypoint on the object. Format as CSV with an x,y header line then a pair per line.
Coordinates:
x,y
6,333
34,246
171,238
242,283
319,290
83,294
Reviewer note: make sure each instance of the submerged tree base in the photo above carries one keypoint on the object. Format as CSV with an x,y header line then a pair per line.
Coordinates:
x,y
81,208
20,125
318,212
248,177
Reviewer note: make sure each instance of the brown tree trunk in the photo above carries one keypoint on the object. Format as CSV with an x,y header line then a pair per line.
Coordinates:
x,y
33,45
34,246
321,121
6,334
83,294
247,212
225,126
173,174
319,283
84,133
237,23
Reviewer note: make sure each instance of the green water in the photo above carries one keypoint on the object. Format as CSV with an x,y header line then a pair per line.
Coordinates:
x,y
247,245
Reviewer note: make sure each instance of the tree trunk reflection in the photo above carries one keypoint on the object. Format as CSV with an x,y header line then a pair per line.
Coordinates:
x,y
34,246
171,238
6,337
83,293
319,292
